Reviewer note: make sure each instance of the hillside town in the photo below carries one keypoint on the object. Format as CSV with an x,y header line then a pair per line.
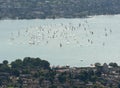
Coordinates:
x,y
77,35
37,73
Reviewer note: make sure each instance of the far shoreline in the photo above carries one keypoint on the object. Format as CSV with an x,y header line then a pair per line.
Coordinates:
x,y
50,18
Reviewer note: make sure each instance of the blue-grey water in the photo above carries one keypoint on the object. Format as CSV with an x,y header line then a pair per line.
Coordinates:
x,y
74,42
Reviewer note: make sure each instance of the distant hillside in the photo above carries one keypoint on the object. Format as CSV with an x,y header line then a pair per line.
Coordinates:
x,y
30,9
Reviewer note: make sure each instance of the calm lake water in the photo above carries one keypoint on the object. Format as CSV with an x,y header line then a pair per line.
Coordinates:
x,y
74,42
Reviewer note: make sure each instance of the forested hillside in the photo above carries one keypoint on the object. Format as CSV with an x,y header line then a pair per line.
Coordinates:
x,y
30,9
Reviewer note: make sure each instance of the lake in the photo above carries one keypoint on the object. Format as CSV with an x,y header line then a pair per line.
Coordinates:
x,y
74,42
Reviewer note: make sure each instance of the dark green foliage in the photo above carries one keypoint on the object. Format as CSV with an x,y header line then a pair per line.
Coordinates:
x,y
83,76
5,62
113,64
62,78
97,64
15,72
36,75
25,71
4,67
93,78
98,73
17,63
30,63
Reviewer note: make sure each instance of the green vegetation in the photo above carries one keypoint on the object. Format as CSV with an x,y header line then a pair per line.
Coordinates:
x,y
37,73
31,9
113,64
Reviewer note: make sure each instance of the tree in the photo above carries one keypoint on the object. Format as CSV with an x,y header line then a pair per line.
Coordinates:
x,y
5,62
113,64
83,76
15,72
45,64
35,63
93,78
97,64
17,63
62,79
27,61
98,73
99,70
4,67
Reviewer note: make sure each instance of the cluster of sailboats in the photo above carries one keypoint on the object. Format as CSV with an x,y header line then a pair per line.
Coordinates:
x,y
60,34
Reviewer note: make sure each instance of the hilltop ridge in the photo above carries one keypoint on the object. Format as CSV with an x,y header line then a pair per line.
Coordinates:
x,y
31,9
